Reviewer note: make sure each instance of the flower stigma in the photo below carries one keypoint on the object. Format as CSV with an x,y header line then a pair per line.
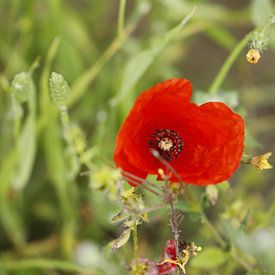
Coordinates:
x,y
167,143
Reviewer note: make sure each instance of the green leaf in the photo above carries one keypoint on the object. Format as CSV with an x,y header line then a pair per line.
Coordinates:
x,y
10,218
26,142
210,257
260,11
138,65
121,240
26,154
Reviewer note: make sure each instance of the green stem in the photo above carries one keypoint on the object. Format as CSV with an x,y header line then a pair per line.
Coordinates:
x,y
121,18
82,83
43,264
241,261
213,230
238,258
232,58
216,84
135,241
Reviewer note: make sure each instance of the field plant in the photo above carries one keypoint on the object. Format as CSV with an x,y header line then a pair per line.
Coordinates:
x,y
99,177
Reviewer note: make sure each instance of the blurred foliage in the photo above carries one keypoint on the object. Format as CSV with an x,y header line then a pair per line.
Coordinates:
x,y
55,219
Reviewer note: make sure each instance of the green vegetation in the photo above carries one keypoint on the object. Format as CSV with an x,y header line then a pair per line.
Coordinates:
x,y
69,74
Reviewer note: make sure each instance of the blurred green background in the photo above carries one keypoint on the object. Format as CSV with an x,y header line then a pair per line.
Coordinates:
x,y
55,221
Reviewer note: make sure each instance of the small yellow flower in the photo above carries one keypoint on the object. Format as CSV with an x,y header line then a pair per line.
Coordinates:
x,y
190,250
261,161
253,56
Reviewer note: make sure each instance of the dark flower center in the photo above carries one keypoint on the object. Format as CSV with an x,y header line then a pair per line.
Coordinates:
x,y
167,142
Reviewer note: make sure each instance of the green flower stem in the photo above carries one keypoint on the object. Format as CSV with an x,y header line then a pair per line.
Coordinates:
x,y
238,258
9,265
213,230
268,24
65,120
216,84
241,261
121,18
135,242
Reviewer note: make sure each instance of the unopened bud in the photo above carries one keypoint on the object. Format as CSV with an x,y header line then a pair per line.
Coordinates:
x,y
253,56
59,89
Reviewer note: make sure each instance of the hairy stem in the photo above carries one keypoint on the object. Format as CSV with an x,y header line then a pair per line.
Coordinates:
x,y
216,84
174,226
135,242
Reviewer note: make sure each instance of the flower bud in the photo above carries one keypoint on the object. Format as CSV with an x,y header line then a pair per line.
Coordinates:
x,y
261,161
253,56
59,89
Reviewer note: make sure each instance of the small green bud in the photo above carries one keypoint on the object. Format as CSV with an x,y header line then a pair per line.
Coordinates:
x,y
20,86
59,89
212,193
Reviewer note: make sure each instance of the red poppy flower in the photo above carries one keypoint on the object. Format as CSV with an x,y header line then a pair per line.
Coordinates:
x,y
203,143
169,253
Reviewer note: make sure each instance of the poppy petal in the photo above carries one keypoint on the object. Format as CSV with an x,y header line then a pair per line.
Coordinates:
x,y
209,139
